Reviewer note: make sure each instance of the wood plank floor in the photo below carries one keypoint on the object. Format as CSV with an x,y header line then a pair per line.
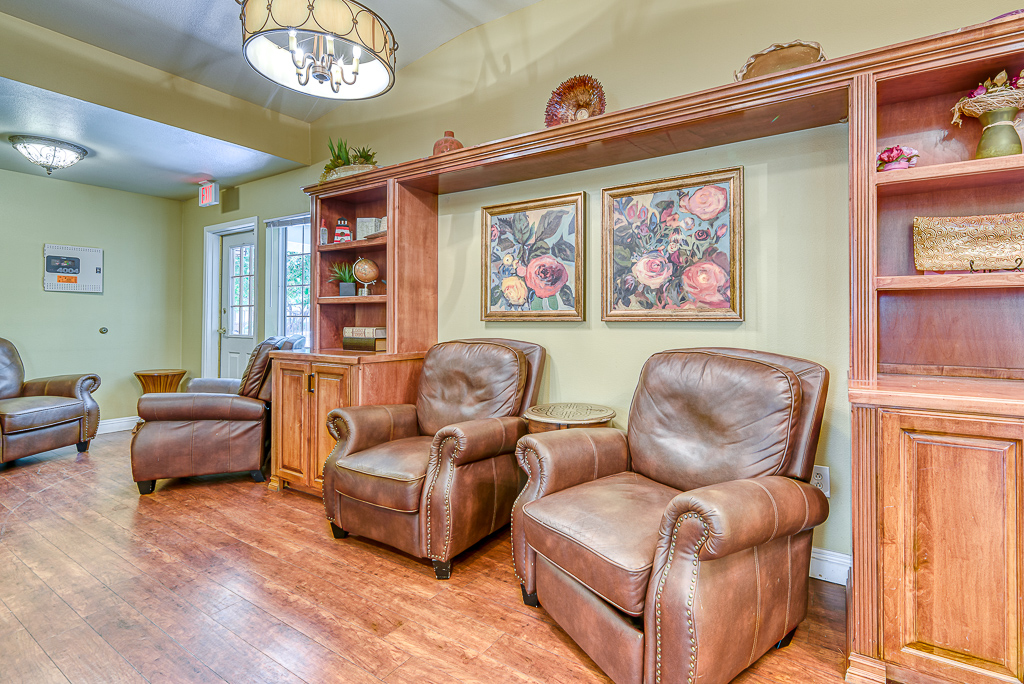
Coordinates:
x,y
218,579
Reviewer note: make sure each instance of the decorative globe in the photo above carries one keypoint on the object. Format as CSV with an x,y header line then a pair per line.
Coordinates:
x,y
365,270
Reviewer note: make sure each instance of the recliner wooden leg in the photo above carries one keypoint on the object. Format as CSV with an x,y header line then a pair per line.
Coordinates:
x,y
529,599
257,476
83,446
442,569
146,486
338,532
786,640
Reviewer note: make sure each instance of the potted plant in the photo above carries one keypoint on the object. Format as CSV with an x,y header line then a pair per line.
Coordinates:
x,y
346,160
341,273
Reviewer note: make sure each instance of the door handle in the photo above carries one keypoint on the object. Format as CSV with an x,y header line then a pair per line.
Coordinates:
x,y
309,383
222,331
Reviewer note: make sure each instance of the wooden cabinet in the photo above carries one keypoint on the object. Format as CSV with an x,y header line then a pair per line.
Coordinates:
x,y
309,386
951,544
936,588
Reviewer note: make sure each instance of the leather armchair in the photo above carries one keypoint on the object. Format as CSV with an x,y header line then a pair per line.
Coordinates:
x,y
435,477
680,550
220,425
45,413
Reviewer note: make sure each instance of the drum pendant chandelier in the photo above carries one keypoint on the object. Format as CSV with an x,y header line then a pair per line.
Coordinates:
x,y
335,49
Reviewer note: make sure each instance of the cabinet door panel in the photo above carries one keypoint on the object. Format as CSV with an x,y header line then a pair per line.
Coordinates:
x,y
951,545
332,391
289,414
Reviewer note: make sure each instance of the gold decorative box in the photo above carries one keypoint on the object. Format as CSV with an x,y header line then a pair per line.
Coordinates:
x,y
968,243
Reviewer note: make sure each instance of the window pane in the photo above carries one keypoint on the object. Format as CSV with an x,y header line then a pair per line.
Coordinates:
x,y
236,292
305,270
236,261
295,267
246,259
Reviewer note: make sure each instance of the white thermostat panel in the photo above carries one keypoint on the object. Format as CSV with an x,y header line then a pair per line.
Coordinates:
x,y
72,269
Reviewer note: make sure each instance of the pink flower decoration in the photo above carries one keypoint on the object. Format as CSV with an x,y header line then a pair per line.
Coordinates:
x,y
980,90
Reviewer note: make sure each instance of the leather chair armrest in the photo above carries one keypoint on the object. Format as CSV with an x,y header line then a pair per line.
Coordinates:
x,y
213,386
185,407
741,514
358,428
475,440
554,461
74,386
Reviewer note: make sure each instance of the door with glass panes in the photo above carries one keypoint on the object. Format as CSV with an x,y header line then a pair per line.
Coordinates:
x,y
238,302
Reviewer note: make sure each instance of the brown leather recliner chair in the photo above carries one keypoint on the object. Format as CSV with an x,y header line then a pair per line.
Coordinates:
x,y
434,478
45,413
218,426
679,551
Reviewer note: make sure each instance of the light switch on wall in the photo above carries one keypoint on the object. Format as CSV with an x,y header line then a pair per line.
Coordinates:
x,y
819,478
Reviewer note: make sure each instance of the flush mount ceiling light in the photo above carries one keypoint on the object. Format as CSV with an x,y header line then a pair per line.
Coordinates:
x,y
334,49
49,153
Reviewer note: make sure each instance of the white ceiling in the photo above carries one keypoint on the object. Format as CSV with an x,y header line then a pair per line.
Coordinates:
x,y
201,40
126,152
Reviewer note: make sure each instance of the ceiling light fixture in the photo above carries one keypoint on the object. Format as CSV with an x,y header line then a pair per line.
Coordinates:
x,y
49,153
335,49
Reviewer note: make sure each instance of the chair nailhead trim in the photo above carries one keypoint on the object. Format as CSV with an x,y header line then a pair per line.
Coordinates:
x,y
689,602
430,492
525,465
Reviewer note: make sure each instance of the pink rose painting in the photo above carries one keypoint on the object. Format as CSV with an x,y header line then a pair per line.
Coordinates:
x,y
531,254
673,249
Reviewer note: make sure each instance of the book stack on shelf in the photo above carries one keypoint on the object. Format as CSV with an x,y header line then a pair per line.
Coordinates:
x,y
364,339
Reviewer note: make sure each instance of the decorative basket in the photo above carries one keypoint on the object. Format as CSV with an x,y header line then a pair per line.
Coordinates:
x,y
968,243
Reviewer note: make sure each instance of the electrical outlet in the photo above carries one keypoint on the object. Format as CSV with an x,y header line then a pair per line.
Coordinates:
x,y
820,480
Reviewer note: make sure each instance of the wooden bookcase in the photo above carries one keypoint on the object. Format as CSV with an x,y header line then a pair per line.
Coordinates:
x,y
938,402
936,378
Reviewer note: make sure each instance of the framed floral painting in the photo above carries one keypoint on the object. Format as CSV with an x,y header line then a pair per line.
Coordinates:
x,y
672,250
533,260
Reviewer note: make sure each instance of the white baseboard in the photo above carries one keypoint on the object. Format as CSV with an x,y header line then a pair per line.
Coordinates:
x,y
830,566
116,424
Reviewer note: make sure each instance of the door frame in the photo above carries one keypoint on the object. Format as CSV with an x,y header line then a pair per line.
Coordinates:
x,y
211,287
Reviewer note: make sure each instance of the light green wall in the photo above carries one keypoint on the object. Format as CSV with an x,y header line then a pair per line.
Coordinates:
x,y
58,332
493,82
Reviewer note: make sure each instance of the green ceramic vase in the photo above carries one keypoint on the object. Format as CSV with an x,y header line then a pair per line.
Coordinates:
x,y
1001,140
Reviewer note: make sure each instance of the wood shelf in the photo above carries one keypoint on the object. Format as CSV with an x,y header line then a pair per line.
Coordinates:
x,y
950,281
368,299
355,244
973,395
962,175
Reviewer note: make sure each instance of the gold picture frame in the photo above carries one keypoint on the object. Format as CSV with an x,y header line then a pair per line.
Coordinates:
x,y
532,260
672,249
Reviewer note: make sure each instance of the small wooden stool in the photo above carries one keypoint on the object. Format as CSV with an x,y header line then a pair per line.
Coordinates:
x,y
547,417
166,380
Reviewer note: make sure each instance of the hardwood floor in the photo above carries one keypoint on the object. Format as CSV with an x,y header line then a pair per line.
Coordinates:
x,y
218,579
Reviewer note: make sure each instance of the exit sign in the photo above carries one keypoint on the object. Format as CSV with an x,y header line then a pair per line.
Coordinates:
x,y
209,194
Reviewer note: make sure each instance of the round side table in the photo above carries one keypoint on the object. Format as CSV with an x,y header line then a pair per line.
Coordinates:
x,y
164,380
547,417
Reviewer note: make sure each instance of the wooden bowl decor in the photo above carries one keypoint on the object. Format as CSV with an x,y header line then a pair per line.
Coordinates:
x,y
780,57
995,104
969,243
575,99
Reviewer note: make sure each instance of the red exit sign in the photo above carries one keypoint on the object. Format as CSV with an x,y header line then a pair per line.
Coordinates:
x,y
209,194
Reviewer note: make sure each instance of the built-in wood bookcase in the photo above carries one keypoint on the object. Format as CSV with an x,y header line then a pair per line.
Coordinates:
x,y
404,298
936,388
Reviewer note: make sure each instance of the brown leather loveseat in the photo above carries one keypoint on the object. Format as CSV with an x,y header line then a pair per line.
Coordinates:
x,y
679,551
434,478
45,413
218,426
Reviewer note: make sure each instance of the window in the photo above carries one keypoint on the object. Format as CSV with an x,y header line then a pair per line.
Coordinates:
x,y
243,304
296,280
288,267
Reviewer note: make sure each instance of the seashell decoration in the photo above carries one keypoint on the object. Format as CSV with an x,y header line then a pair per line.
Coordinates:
x,y
575,99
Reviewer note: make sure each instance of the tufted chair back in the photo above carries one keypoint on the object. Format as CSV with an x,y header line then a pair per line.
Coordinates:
x,y
702,417
12,371
469,379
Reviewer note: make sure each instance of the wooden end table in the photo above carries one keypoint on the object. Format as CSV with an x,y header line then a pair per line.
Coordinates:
x,y
563,416
163,380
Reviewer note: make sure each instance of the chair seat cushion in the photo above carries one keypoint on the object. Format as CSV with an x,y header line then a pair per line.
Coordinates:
x,y
389,475
603,533
29,413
